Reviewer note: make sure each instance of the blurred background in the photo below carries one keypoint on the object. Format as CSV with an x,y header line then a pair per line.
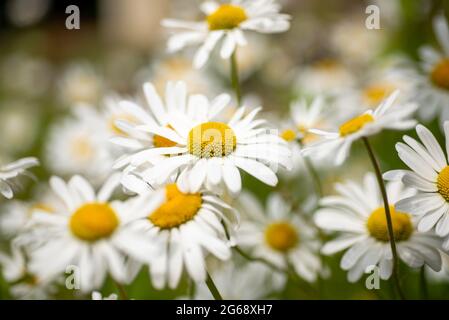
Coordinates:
x,y
48,71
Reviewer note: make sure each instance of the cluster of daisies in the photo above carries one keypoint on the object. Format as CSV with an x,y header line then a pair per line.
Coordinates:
x,y
155,183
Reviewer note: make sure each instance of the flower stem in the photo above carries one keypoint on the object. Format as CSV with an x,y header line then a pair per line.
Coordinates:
x,y
388,217
212,288
121,290
423,283
235,78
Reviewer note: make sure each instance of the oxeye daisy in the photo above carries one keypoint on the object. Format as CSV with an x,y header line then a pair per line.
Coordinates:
x,y
388,115
226,21
431,83
279,236
210,153
429,175
186,226
90,232
9,173
357,214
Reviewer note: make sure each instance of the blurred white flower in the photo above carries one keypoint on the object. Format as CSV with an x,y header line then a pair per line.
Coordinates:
x,y
10,172
228,22
388,115
279,235
98,296
358,215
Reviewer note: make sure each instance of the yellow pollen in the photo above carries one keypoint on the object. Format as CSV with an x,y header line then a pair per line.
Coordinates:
x,y
162,142
211,139
281,236
355,124
226,17
443,183
178,208
378,229
440,74
93,221
288,135
374,94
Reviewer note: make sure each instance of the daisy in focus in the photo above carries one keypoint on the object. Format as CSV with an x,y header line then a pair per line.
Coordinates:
x,y
357,213
227,22
388,115
429,175
185,226
90,232
279,236
10,172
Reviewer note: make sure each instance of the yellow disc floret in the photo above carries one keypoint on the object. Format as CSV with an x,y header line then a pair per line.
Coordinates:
x,y
178,208
375,93
378,229
440,74
281,236
288,135
443,183
226,17
355,124
93,221
211,139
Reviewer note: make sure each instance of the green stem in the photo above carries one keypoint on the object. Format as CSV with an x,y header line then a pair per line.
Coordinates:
x,y
423,283
388,217
191,289
212,288
235,78
121,290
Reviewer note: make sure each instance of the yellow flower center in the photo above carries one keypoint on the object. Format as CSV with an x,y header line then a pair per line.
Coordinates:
x,y
82,148
93,221
226,17
288,135
177,209
211,139
355,124
374,94
162,142
378,229
281,236
440,74
443,183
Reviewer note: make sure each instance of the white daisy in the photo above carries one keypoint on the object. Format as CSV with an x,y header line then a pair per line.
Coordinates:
x,y
357,213
388,115
429,175
90,232
10,172
226,21
185,226
79,145
431,83
279,236
208,152
98,296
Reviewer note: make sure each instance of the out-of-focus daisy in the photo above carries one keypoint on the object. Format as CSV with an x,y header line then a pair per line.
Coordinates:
x,y
186,226
429,175
252,281
431,83
98,296
10,172
226,21
80,83
388,115
79,145
208,152
357,213
90,232
279,235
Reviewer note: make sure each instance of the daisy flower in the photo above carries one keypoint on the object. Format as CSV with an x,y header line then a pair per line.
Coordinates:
x,y
185,226
9,173
98,296
279,236
388,115
90,232
226,21
431,84
357,214
429,175
210,153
